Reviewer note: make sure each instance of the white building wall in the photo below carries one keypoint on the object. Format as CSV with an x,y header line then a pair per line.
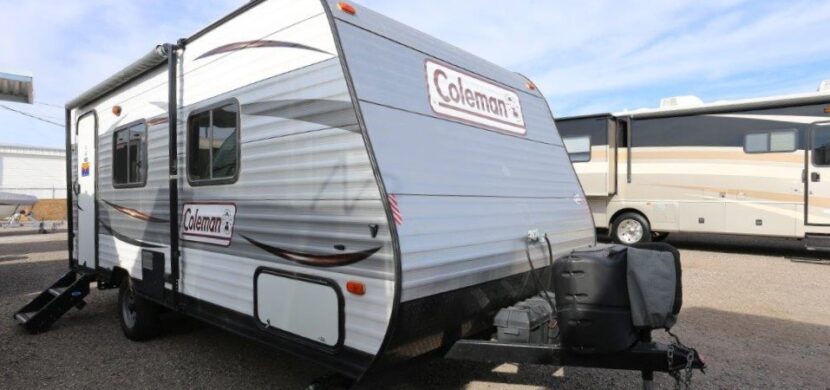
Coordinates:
x,y
34,171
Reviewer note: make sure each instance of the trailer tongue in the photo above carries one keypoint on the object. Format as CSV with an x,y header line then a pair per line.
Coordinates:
x,y
644,356
608,302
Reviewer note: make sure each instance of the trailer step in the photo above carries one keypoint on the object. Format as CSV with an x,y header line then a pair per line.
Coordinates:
x,y
68,292
817,242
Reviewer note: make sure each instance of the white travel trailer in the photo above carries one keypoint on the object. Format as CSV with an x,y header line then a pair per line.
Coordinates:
x,y
747,167
318,177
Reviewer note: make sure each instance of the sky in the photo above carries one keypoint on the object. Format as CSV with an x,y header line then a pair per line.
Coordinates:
x,y
586,56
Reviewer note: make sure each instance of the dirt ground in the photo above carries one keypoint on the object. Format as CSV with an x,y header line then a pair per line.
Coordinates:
x,y
760,320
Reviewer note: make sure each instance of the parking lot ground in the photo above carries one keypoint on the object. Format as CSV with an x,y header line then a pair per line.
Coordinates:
x,y
761,321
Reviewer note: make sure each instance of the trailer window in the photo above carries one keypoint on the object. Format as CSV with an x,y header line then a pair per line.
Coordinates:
x,y
213,145
129,155
771,142
579,148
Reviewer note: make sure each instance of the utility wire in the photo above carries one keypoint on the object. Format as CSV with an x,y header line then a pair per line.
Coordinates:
x,y
49,104
31,116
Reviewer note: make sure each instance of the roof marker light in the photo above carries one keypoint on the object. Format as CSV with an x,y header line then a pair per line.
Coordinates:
x,y
347,8
116,110
530,85
355,287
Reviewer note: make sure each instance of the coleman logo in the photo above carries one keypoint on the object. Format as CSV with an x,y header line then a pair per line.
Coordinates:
x,y
459,95
210,223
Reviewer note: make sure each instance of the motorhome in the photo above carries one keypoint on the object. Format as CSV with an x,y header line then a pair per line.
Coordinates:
x,y
746,167
317,177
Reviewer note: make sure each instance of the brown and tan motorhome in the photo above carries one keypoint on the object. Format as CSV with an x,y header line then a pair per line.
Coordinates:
x,y
749,167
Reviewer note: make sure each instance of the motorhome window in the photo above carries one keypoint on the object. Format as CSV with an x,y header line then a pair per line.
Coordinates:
x,y
821,147
579,148
770,142
129,152
213,145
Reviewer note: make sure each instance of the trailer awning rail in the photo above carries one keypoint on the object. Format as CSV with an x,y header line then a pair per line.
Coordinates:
x,y
148,62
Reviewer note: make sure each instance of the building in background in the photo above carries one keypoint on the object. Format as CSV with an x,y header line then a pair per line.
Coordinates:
x,y
36,172
32,170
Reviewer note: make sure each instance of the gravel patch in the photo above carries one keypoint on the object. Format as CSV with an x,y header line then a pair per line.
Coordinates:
x,y
761,321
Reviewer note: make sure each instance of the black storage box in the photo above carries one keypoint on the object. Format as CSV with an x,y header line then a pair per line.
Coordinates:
x,y
592,301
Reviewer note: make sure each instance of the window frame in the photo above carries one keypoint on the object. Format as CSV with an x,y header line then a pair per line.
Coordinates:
x,y
238,130
769,134
590,145
144,160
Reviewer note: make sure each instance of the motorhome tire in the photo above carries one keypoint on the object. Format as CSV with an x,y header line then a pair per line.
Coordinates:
x,y
139,317
631,228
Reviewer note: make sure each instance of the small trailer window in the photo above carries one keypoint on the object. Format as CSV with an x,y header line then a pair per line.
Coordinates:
x,y
129,155
213,145
771,142
579,148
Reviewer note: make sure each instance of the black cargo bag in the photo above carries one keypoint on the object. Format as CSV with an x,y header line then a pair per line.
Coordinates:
x,y
606,296
655,287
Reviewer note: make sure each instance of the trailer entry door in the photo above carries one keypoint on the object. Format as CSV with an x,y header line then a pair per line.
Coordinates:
x,y
86,130
818,175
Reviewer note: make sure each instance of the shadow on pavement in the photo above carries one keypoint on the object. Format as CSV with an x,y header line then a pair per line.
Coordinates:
x,y
742,351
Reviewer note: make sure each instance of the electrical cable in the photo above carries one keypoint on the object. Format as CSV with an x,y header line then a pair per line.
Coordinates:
x,y
542,291
49,104
31,116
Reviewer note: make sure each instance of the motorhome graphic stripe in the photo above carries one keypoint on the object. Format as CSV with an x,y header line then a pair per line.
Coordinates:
x,y
230,47
337,260
135,213
128,240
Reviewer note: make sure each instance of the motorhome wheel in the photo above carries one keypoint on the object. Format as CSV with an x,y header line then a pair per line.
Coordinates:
x,y
631,228
139,317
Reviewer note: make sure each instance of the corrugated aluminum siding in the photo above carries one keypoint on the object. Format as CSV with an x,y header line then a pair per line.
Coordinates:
x,y
468,195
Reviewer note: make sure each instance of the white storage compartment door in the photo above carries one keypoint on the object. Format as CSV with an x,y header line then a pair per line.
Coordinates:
x,y
301,305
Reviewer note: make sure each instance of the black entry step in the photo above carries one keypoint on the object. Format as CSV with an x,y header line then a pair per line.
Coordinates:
x,y
817,242
68,292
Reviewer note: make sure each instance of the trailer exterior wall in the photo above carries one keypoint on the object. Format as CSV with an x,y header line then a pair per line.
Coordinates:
x,y
305,182
467,194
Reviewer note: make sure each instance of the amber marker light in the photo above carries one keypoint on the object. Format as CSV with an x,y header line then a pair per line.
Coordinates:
x,y
827,110
530,86
347,8
116,110
355,287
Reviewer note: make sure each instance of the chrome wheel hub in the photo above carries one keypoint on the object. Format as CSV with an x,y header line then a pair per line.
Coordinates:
x,y
128,309
630,231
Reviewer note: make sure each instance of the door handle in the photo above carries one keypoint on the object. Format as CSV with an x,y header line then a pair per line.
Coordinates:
x,y
76,188
815,177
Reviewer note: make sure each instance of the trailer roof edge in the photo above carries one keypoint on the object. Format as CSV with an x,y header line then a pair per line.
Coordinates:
x,y
146,63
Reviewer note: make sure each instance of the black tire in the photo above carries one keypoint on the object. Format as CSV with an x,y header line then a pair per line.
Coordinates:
x,y
624,229
659,237
139,317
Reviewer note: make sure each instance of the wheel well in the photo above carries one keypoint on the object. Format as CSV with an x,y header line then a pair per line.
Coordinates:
x,y
623,211
117,276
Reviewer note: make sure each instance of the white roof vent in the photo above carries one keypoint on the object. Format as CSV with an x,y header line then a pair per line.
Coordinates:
x,y
680,101
824,86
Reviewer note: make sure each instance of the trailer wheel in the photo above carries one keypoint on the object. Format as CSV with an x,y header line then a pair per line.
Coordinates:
x,y
630,228
139,317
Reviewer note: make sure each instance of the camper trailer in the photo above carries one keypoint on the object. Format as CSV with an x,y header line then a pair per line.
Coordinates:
x,y
319,178
748,167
